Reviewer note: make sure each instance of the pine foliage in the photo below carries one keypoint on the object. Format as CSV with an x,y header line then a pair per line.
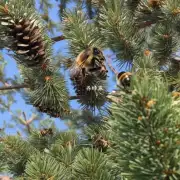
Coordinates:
x,y
62,155
91,164
84,33
17,151
139,137
23,32
43,166
149,122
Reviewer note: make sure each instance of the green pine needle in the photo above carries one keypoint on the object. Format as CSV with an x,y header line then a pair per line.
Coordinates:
x,y
79,32
43,166
141,122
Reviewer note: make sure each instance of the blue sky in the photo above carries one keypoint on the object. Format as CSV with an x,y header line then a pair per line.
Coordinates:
x,y
12,70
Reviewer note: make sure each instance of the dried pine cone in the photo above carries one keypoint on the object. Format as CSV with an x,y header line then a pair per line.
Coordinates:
x,y
28,41
100,142
45,132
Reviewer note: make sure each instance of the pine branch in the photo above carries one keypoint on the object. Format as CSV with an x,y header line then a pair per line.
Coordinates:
x,y
19,86
78,31
58,38
36,57
141,111
74,97
27,124
109,63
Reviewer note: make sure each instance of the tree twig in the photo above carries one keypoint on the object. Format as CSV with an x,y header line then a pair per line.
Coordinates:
x,y
58,38
29,121
19,86
74,97
27,124
110,65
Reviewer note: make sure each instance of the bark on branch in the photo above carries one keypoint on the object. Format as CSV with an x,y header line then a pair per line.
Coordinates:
x,y
10,87
20,86
109,63
58,38
74,97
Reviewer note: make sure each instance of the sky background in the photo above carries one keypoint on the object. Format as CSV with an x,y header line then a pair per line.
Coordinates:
x,y
12,70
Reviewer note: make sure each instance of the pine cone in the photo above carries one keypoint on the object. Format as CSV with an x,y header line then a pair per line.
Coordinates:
x,y
89,98
46,132
28,41
100,142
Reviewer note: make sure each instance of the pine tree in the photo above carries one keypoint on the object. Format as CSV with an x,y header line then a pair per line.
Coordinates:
x,y
134,131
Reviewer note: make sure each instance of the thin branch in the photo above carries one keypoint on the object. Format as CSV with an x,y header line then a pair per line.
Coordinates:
x,y
146,24
27,124
7,85
26,86
58,38
74,97
110,65
31,119
110,97
19,86
24,115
